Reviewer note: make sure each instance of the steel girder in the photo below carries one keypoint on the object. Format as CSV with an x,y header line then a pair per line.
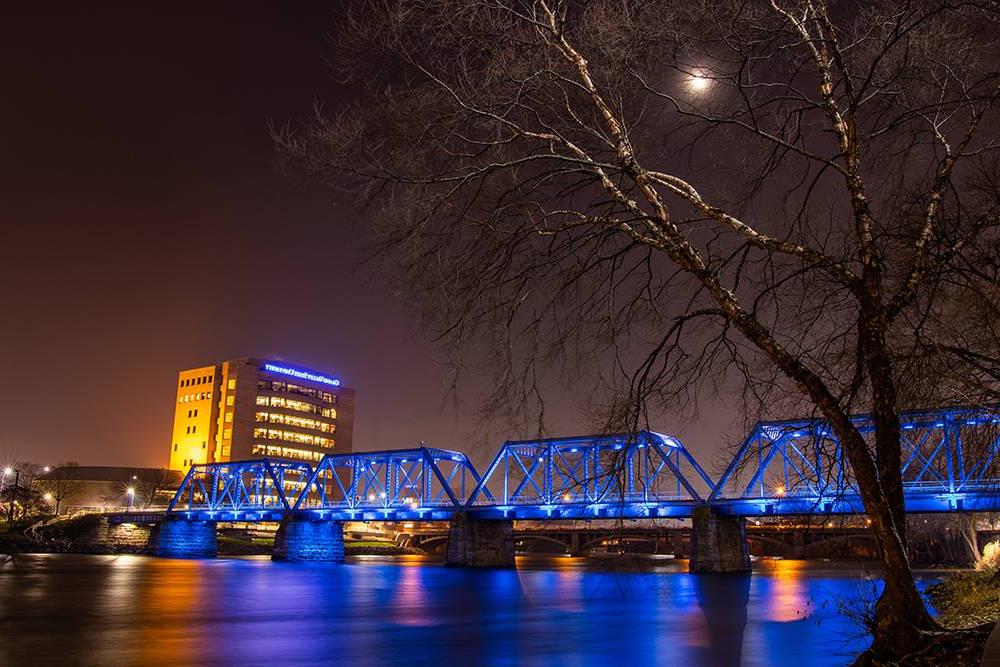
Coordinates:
x,y
238,489
633,475
949,462
419,484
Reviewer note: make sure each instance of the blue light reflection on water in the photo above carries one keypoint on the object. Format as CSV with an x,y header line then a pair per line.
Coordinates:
x,y
133,610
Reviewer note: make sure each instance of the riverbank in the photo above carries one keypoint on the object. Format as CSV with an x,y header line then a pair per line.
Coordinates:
x,y
968,608
89,534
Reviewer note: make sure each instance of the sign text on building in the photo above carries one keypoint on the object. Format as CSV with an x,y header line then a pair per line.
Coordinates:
x,y
304,375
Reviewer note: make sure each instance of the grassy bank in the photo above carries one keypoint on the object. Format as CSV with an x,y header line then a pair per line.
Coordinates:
x,y
967,599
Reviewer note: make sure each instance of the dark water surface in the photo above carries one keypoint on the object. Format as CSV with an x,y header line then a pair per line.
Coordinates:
x,y
134,610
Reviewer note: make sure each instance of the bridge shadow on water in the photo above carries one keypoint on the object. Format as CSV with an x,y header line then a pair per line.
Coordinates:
x,y
94,610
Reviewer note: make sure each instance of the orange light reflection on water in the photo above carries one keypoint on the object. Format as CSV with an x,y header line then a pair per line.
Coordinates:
x,y
787,596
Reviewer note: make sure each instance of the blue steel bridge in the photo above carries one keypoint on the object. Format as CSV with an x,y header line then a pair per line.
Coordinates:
x,y
797,467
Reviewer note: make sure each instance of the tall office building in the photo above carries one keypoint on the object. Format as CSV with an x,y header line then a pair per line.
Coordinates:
x,y
252,408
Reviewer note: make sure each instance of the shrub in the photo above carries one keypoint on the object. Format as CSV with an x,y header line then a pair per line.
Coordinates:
x,y
991,557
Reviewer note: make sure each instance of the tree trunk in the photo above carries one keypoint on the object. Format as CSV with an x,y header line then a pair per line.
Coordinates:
x,y
967,522
901,616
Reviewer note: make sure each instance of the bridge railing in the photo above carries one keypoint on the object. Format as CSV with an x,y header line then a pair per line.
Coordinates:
x,y
241,486
411,480
946,452
591,474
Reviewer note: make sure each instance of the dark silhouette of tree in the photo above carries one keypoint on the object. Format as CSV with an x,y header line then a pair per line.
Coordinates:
x,y
150,483
652,197
61,482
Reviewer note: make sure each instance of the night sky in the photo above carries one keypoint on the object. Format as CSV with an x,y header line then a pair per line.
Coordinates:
x,y
146,228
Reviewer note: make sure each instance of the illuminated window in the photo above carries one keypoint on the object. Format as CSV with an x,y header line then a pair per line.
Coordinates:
x,y
230,400
229,417
231,384
292,420
292,436
227,434
226,450
286,452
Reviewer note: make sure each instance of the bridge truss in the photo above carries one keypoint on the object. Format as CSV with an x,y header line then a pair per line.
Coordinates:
x,y
409,484
950,462
257,489
632,475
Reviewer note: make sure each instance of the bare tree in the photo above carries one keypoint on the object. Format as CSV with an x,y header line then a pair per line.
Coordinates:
x,y
150,483
61,483
664,195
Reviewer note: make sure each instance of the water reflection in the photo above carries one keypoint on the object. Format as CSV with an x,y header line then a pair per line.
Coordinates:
x,y
125,610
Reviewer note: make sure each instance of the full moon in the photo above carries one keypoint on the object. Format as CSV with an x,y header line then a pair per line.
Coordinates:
x,y
698,82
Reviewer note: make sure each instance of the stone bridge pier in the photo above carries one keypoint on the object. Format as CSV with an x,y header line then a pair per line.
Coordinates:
x,y
180,538
299,540
718,542
479,542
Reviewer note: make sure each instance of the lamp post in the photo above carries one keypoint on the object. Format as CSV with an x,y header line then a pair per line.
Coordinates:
x,y
3,478
13,498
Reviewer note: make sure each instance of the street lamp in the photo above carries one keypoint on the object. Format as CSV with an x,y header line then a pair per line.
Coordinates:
x,y
17,479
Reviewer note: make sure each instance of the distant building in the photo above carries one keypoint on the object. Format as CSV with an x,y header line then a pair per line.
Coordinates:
x,y
104,488
252,408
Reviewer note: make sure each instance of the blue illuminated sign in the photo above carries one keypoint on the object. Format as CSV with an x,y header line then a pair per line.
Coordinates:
x,y
302,375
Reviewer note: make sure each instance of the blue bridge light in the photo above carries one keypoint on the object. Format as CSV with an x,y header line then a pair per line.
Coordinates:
x,y
783,468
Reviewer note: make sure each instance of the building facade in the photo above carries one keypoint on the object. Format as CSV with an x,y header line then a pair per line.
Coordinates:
x,y
74,488
253,408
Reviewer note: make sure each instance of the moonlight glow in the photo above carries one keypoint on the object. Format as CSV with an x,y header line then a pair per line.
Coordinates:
x,y
698,83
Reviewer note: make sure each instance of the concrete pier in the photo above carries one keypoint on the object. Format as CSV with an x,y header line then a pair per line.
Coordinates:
x,y
718,542
479,543
178,538
302,540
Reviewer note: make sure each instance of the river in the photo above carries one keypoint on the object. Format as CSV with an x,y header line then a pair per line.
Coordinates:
x,y
136,610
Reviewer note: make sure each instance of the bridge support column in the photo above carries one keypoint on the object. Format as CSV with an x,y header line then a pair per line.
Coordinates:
x,y
574,544
479,542
179,538
302,540
718,542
